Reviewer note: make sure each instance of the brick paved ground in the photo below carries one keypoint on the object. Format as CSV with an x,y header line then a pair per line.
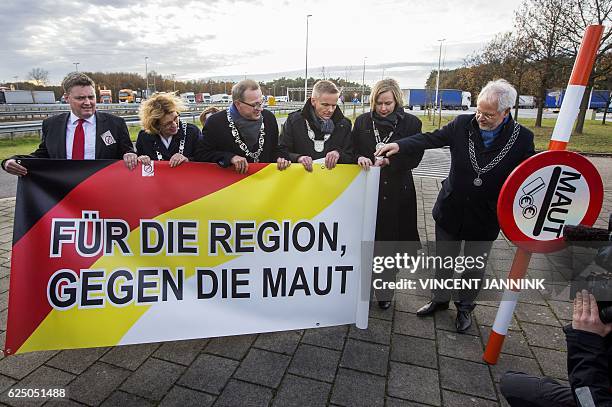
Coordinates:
x,y
400,360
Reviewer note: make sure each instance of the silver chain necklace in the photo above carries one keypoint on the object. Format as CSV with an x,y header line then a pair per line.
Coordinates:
x,y
380,144
241,144
479,171
319,145
181,144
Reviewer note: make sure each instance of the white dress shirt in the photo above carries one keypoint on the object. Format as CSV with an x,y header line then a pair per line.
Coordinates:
x,y
166,141
89,128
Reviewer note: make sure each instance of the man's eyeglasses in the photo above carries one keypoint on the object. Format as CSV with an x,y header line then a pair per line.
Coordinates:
x,y
256,106
487,116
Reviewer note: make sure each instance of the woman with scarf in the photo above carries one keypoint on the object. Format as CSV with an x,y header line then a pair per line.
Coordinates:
x,y
396,220
164,136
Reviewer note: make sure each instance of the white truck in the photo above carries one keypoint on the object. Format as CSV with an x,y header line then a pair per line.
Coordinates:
x,y
221,98
188,97
526,102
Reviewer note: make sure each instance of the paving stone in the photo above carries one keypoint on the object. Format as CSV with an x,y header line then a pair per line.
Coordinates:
x,y
4,284
486,316
378,331
263,367
562,309
281,342
553,362
415,351
455,399
6,383
466,377
515,363
96,383
530,297
545,336
181,352
153,379
459,345
299,391
356,389
63,403
314,362
3,319
122,399
19,366
410,324
414,383
379,313
3,301
182,397
209,373
130,356
446,320
365,356
76,360
330,337
514,344
234,347
238,393
537,314
42,378
391,402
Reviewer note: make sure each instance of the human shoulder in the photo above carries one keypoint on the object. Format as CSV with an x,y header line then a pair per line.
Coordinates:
x,y
296,116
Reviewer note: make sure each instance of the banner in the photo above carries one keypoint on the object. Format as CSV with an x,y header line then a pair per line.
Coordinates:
x,y
104,256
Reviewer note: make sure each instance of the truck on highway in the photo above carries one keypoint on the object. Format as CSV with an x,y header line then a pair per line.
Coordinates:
x,y
202,98
598,99
26,96
188,97
526,102
106,96
453,99
221,98
127,96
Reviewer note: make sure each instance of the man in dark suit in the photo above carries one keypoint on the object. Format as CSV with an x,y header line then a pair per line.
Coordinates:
x,y
243,134
485,147
82,134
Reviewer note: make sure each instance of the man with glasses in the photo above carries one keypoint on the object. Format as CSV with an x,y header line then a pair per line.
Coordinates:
x,y
319,131
243,134
81,134
485,147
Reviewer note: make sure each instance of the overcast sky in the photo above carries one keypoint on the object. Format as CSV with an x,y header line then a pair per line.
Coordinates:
x,y
231,39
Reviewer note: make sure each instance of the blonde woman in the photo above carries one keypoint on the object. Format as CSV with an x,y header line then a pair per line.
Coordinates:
x,y
396,220
165,137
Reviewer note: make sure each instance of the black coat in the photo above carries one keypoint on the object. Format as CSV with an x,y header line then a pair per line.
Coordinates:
x,y
294,140
396,219
589,364
462,209
218,144
53,143
148,144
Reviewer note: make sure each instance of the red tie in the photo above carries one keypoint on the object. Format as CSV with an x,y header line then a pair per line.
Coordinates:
x,y
78,144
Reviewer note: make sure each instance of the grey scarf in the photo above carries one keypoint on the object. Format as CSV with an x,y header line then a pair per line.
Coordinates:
x,y
249,129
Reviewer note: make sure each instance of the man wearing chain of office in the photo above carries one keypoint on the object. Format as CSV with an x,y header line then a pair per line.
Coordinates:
x,y
245,133
484,147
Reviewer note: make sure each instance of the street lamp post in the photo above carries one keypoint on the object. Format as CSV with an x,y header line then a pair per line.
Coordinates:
x,y
147,77
76,66
363,86
438,76
306,70
174,82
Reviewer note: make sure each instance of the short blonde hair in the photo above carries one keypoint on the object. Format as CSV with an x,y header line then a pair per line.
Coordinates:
x,y
383,86
157,106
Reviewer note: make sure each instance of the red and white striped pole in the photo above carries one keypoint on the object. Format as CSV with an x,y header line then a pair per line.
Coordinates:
x,y
558,141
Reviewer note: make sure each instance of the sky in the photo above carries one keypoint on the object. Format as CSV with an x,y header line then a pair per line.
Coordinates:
x,y
259,39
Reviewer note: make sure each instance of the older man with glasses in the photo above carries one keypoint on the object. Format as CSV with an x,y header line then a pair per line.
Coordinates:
x,y
485,147
245,133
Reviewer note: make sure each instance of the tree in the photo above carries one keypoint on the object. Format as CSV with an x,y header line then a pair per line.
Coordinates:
x,y
39,75
579,15
541,21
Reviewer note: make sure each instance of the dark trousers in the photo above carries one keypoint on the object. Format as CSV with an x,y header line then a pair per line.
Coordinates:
x,y
523,390
449,245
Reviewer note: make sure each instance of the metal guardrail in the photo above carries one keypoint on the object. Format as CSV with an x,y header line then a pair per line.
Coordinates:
x,y
11,129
